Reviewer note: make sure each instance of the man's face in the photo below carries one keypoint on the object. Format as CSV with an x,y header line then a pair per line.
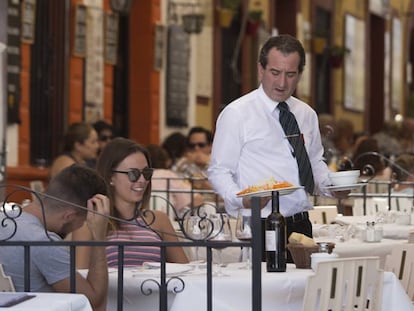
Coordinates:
x,y
198,142
72,223
281,75
105,136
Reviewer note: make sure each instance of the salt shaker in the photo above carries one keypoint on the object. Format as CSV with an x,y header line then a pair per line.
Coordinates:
x,y
323,248
370,231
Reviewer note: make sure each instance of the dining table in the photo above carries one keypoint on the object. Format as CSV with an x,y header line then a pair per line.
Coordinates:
x,y
280,291
46,301
391,230
358,248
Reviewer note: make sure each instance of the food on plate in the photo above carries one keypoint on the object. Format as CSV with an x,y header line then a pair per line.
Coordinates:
x,y
268,184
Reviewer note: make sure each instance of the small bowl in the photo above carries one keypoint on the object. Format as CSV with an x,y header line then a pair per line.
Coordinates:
x,y
344,178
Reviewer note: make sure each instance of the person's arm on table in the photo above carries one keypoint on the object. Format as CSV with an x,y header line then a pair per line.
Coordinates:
x,y
95,286
162,224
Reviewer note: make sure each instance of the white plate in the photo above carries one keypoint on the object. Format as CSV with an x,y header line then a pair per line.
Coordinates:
x,y
344,187
268,193
153,269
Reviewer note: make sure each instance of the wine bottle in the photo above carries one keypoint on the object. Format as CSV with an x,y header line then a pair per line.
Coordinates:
x,y
275,238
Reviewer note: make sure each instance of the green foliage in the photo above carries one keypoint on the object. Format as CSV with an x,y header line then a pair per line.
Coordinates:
x,y
337,50
230,4
255,15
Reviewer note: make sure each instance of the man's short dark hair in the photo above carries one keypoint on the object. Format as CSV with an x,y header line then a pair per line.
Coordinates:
x,y
75,184
200,129
286,44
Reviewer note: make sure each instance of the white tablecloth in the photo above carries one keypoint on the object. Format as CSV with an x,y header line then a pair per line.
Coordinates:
x,y
357,248
280,291
390,231
53,302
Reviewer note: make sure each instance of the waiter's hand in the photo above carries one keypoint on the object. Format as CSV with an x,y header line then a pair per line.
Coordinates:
x,y
341,194
247,203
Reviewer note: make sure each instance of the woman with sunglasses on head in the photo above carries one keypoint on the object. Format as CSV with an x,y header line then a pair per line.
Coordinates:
x,y
126,167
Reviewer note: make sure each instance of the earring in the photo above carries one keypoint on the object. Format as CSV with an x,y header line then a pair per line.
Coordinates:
x,y
111,183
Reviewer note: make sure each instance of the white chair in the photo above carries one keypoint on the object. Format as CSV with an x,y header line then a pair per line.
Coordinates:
x,y
401,262
370,207
6,283
323,214
345,284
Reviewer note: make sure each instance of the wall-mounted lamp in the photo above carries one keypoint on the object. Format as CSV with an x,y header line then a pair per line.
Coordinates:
x,y
121,6
192,21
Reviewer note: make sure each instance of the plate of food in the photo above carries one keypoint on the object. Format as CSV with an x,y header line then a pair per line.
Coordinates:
x,y
265,188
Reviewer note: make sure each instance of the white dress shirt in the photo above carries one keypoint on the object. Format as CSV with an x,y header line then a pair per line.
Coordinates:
x,y
250,146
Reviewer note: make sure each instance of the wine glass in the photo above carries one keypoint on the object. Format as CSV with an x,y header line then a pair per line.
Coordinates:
x,y
244,231
196,230
220,232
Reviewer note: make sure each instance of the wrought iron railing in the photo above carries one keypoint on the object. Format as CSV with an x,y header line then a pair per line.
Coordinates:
x,y
369,174
8,228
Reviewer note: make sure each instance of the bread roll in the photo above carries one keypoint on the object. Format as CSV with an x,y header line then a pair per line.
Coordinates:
x,y
299,238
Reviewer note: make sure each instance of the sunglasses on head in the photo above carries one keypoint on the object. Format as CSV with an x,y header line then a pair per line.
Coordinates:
x,y
105,137
134,174
199,145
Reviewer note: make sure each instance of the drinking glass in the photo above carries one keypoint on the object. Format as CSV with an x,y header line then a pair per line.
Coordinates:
x,y
244,231
196,228
220,232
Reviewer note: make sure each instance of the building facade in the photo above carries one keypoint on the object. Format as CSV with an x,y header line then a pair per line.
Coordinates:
x,y
138,65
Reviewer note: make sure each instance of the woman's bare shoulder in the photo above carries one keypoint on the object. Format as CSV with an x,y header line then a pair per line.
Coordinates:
x,y
60,163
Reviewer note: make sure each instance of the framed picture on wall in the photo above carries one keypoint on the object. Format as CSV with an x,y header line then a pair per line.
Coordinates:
x,y
79,40
28,21
111,38
159,43
354,77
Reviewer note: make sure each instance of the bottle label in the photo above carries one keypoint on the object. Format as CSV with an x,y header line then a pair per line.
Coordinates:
x,y
271,240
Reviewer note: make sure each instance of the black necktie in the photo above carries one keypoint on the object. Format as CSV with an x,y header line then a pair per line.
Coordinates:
x,y
295,137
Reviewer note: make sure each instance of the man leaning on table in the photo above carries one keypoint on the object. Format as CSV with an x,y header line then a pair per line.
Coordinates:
x,y
250,144
49,266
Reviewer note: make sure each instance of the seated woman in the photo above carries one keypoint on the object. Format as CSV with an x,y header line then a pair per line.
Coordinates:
x,y
80,146
404,174
165,179
126,167
363,157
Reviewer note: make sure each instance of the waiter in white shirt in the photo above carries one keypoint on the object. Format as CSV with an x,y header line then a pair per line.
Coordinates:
x,y
250,144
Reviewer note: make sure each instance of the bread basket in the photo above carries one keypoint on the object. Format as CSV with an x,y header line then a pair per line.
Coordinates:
x,y
301,254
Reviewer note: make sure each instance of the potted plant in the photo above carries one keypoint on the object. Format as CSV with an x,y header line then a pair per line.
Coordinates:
x,y
337,54
253,21
318,44
226,11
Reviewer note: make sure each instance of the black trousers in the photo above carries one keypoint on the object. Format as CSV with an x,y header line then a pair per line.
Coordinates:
x,y
303,226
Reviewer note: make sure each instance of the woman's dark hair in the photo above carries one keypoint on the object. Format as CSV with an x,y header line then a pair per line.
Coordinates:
x,y
405,161
113,154
176,145
365,145
159,157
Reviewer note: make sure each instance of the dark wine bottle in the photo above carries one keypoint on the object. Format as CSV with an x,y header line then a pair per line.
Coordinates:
x,y
275,238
